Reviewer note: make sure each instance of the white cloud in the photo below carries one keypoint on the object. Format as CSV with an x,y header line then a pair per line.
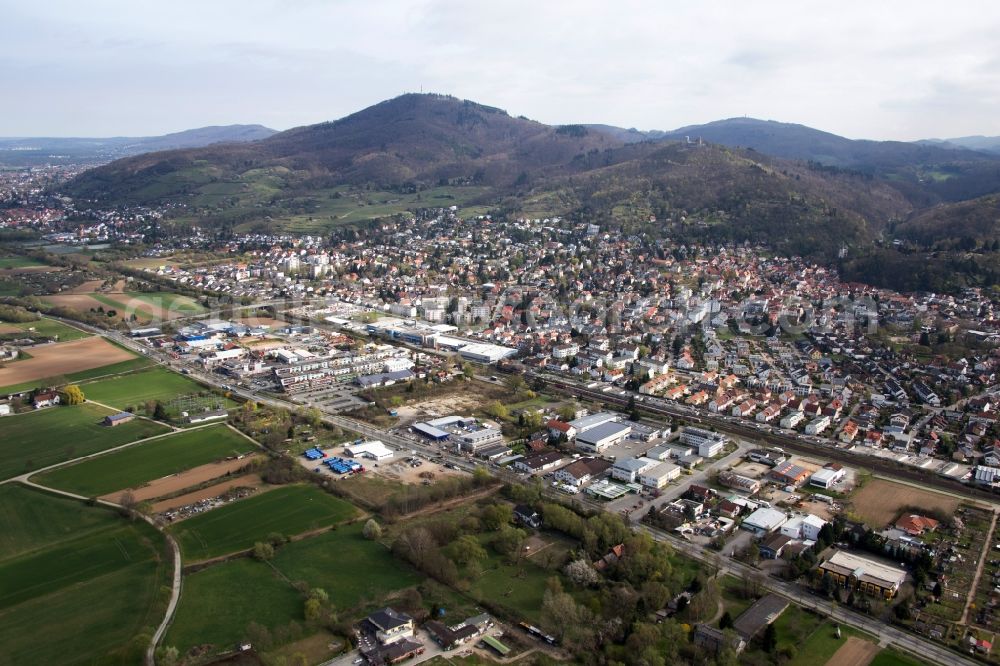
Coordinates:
x,y
895,69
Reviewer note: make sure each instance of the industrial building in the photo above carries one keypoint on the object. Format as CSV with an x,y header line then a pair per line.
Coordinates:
x,y
709,444
827,477
764,521
373,449
629,469
599,438
660,475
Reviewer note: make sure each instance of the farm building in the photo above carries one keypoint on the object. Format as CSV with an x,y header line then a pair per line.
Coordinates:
x,y
373,449
764,521
113,420
863,574
45,399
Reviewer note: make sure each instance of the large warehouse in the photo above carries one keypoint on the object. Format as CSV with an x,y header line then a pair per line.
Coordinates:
x,y
482,352
599,438
373,449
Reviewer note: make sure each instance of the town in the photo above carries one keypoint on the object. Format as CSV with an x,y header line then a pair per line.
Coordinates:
x,y
826,441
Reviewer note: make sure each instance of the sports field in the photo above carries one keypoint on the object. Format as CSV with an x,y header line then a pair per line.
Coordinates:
x,y
45,437
137,465
82,572
136,388
288,510
77,359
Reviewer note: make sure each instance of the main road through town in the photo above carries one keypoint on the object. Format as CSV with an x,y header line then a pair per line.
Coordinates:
x,y
886,634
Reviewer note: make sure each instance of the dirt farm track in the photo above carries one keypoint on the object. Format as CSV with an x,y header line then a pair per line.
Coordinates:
x,y
63,358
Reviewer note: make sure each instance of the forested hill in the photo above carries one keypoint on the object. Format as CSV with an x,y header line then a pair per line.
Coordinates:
x,y
794,188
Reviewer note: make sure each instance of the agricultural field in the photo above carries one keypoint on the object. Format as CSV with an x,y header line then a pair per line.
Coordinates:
x,y
49,328
19,262
137,388
82,571
357,573
165,301
879,502
45,437
143,306
288,510
220,602
71,361
519,588
137,465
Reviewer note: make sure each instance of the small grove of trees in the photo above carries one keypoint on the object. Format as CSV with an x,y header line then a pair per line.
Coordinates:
x,y
17,315
317,608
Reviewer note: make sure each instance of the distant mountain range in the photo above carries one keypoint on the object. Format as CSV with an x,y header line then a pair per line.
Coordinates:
x,y
986,144
797,189
33,151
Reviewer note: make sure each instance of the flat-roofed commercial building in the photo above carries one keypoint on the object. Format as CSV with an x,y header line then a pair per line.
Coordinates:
x,y
599,438
863,574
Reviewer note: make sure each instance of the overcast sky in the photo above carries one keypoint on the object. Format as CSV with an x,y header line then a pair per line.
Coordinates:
x,y
873,69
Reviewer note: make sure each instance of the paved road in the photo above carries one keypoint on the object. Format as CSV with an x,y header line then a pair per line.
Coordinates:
x,y
886,634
